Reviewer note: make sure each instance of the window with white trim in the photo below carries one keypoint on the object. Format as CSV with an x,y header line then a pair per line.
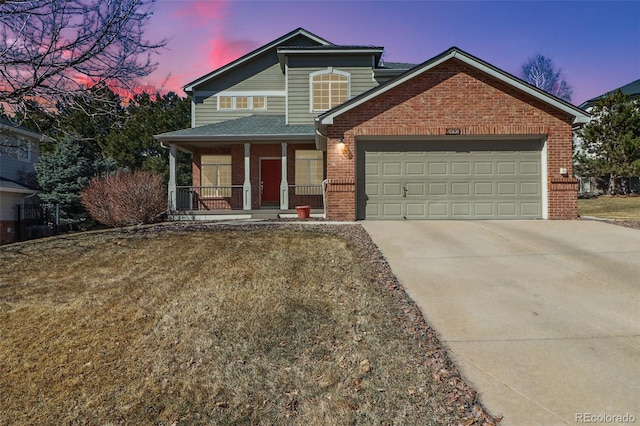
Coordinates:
x,y
309,172
329,88
242,103
215,176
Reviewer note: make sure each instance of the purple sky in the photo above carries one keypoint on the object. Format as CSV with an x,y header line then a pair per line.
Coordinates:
x,y
596,44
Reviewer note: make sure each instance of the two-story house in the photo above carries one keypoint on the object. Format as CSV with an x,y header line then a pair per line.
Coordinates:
x,y
301,120
19,150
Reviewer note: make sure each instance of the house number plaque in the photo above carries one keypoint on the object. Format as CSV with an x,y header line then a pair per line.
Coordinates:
x,y
452,131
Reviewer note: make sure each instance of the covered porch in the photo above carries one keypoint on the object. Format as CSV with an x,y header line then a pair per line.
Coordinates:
x,y
246,176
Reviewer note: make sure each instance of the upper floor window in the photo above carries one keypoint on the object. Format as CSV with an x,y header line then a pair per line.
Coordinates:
x,y
329,88
234,103
15,148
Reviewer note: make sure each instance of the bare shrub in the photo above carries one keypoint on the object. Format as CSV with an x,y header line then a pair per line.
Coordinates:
x,y
125,198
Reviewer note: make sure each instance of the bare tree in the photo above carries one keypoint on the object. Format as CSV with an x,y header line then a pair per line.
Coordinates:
x,y
53,49
540,72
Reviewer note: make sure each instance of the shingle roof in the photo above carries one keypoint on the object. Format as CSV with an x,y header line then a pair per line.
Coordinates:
x,y
397,65
13,186
252,126
632,90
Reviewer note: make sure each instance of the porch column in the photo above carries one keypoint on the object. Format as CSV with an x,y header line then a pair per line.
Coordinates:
x,y
246,187
284,184
172,178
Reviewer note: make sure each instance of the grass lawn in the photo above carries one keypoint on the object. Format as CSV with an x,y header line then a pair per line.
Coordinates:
x,y
225,325
611,207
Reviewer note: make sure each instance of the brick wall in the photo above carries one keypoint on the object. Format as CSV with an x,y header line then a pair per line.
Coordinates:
x,y
257,151
451,95
7,231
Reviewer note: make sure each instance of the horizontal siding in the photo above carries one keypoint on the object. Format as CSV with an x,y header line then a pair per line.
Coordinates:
x,y
207,111
12,168
261,74
298,91
8,203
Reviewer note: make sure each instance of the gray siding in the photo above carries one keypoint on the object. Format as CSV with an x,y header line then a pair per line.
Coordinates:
x,y
13,168
361,80
263,74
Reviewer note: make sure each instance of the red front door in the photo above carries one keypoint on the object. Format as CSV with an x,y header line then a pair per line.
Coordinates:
x,y
270,176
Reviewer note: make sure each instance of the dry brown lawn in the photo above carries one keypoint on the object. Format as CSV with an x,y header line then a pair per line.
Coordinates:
x,y
212,326
611,207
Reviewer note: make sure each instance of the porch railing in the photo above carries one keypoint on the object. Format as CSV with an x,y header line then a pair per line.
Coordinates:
x,y
209,197
308,195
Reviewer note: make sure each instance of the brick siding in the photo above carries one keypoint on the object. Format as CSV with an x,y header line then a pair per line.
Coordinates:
x,y
451,95
257,151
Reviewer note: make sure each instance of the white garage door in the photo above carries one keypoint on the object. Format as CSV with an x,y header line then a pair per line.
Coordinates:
x,y
461,180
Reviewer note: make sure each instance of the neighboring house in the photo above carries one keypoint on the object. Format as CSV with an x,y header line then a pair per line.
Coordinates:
x,y
451,138
19,150
588,185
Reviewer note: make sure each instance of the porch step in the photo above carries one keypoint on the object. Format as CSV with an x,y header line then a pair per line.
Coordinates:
x,y
265,214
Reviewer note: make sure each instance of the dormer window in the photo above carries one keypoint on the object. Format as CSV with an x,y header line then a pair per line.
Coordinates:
x,y
329,88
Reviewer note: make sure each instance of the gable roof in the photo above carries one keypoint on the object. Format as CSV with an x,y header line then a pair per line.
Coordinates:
x,y
631,90
277,42
580,116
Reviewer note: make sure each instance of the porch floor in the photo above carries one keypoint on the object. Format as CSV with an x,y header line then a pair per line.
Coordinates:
x,y
261,214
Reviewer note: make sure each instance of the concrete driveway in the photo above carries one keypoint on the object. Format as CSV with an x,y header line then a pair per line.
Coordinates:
x,y
541,317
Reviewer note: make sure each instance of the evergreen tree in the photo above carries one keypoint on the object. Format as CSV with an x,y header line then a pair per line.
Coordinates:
x,y
63,174
610,143
132,145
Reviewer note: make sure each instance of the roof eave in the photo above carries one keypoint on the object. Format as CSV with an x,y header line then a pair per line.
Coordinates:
x,y
27,133
211,138
580,116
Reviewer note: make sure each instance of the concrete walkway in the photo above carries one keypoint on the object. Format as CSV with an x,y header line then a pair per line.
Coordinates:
x,y
541,317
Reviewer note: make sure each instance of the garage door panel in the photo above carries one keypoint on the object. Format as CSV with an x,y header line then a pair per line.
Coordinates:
x,y
438,210
437,168
415,189
506,209
416,210
506,188
451,184
460,168
483,209
530,209
483,188
506,168
391,168
460,189
372,189
415,169
392,189
483,168
460,209
392,209
530,188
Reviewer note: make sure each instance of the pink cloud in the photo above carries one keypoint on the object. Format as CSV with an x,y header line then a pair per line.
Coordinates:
x,y
200,13
222,51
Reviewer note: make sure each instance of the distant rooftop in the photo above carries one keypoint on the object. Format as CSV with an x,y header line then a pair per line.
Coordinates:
x,y
631,90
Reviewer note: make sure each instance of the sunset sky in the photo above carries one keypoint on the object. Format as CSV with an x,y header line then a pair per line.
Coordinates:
x,y
596,44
